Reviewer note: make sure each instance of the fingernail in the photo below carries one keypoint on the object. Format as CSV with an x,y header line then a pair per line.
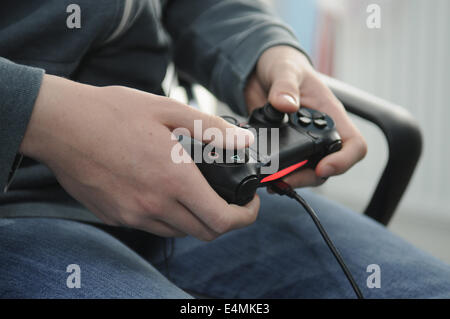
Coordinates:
x,y
290,99
327,171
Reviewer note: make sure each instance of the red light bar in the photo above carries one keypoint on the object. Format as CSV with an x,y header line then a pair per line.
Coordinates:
x,y
283,172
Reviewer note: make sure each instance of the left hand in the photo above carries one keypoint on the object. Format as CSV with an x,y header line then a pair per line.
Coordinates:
x,y
284,77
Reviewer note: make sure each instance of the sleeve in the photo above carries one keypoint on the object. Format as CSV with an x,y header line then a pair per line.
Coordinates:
x,y
19,87
218,42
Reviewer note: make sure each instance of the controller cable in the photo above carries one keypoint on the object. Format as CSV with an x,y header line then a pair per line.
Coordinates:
x,y
282,188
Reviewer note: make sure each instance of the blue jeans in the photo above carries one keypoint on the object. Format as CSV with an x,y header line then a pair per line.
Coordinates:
x,y
280,256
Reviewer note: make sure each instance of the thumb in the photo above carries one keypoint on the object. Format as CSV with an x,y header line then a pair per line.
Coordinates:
x,y
208,128
284,93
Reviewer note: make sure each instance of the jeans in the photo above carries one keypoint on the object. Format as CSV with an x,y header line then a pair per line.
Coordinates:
x,y
281,255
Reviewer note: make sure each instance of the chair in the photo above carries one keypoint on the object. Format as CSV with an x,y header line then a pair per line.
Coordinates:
x,y
404,141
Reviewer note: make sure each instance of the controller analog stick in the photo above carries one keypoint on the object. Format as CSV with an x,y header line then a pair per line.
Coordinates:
x,y
334,147
247,189
272,115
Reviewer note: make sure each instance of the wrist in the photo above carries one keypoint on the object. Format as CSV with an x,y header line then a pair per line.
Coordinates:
x,y
49,118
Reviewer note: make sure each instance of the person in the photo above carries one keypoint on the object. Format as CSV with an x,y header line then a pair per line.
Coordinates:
x,y
85,161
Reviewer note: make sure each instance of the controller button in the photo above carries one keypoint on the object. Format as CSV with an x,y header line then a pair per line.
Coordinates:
x,y
238,159
304,121
320,123
318,116
313,135
230,119
248,187
213,155
271,114
334,147
303,113
244,125
264,159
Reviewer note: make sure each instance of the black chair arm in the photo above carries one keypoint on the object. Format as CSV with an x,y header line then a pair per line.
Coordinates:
x,y
404,140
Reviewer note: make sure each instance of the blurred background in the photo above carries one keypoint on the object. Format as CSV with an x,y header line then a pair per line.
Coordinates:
x,y
406,61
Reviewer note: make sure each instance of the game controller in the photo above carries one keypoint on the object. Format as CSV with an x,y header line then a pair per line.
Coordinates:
x,y
302,139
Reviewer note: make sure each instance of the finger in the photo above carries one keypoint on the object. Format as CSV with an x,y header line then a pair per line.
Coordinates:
x,y
353,150
153,226
199,198
193,192
222,217
284,92
255,95
304,178
221,132
160,228
318,96
181,218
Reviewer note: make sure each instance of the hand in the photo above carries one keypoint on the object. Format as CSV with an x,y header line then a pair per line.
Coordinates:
x,y
285,78
110,148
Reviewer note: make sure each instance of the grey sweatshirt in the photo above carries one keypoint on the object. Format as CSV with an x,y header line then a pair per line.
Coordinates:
x,y
121,42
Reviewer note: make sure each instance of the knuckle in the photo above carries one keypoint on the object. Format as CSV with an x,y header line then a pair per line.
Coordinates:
x,y
172,184
320,181
337,103
287,84
333,103
292,69
128,218
155,210
362,147
112,88
150,207
212,121
223,226
207,120
252,216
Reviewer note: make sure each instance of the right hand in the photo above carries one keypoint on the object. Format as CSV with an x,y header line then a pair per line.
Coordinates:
x,y
110,148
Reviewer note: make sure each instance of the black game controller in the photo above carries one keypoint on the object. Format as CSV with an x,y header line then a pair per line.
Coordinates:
x,y
304,138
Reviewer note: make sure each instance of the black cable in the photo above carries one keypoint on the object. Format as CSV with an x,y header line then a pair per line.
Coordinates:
x,y
283,188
